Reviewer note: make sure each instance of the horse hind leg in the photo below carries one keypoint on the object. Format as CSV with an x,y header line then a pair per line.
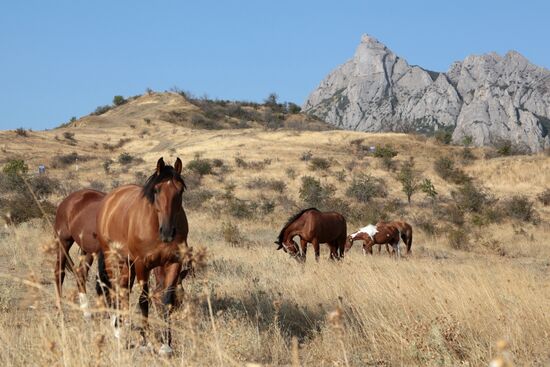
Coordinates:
x,y
64,245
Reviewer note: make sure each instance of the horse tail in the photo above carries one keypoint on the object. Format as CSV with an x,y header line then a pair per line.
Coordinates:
x,y
409,241
103,283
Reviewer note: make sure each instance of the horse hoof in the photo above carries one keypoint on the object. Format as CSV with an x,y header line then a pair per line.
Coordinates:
x,y
117,332
165,350
87,315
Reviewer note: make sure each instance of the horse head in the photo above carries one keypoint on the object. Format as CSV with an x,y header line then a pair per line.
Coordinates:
x,y
164,190
289,246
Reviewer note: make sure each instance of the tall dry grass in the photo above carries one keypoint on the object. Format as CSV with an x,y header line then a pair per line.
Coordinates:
x,y
251,300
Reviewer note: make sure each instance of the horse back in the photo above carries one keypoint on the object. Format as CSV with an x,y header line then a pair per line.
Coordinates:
x,y
326,226
76,218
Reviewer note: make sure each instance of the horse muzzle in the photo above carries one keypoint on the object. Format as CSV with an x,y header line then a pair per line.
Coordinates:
x,y
167,234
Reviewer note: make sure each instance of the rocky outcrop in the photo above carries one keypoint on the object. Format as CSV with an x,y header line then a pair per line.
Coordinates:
x,y
488,97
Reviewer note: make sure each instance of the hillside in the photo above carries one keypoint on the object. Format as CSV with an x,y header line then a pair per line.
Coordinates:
x,y
485,98
478,273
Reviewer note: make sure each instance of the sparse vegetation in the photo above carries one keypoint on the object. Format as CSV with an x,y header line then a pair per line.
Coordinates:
x,y
314,194
446,169
364,187
544,197
21,132
119,100
125,158
409,177
319,164
200,166
443,137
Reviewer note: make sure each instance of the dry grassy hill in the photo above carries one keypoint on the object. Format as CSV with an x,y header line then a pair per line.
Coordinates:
x,y
476,276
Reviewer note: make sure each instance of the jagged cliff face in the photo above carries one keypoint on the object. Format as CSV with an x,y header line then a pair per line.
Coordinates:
x,y
488,97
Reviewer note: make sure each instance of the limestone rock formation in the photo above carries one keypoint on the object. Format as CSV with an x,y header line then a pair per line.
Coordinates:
x,y
488,97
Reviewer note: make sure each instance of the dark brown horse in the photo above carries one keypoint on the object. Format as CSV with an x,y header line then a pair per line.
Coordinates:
x,y
406,232
317,227
141,228
75,221
380,233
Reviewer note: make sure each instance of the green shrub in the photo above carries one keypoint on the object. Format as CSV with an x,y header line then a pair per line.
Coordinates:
x,y
200,166
385,151
64,160
125,158
23,208
319,164
364,187
240,209
44,185
293,108
14,167
314,194
194,199
21,132
443,137
119,100
470,198
445,168
100,110
519,207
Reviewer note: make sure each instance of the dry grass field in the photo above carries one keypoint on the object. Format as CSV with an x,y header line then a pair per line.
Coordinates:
x,y
469,284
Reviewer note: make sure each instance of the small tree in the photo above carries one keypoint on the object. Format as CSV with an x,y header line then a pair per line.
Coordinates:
x,y
408,177
118,100
271,99
15,166
428,188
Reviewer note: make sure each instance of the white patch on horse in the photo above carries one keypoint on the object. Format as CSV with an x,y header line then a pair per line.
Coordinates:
x,y
370,229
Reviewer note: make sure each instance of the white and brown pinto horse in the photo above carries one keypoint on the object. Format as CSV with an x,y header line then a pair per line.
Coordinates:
x,y
406,232
371,235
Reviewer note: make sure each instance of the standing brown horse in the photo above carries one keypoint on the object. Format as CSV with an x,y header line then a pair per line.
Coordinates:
x,y
380,233
317,227
75,221
142,228
406,232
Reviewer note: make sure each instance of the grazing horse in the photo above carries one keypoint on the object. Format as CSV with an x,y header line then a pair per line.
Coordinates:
x,y
381,233
141,228
317,227
406,232
75,221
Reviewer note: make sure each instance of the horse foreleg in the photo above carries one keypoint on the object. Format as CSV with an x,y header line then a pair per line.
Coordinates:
x,y
82,276
315,243
333,251
172,272
143,280
303,246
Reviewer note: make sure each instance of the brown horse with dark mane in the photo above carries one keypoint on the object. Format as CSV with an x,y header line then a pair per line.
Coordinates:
x,y
406,232
141,228
317,227
75,221
380,233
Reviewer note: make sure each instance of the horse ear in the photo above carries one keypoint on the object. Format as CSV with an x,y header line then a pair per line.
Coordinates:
x,y
160,165
178,165
280,247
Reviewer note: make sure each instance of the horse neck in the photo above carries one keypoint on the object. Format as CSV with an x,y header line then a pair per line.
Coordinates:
x,y
292,230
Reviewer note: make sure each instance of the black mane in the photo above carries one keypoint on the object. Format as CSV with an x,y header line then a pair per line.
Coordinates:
x,y
167,173
289,221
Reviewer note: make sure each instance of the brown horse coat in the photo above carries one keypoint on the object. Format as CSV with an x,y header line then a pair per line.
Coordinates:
x,y
75,221
380,233
142,228
316,227
406,232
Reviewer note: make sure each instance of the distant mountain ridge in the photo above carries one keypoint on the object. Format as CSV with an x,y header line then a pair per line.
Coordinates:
x,y
487,97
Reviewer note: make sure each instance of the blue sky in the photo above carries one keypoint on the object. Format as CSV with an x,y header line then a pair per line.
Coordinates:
x,y
64,58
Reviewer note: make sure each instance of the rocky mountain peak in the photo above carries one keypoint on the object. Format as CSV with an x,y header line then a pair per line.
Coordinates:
x,y
488,97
